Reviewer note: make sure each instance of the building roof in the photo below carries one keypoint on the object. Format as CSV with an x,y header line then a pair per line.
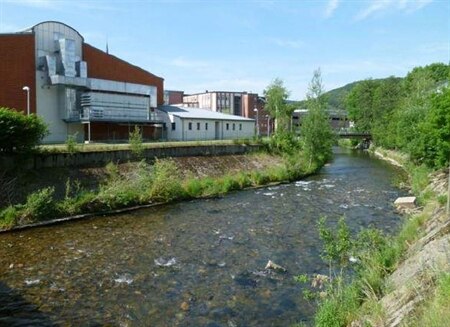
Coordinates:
x,y
234,92
196,113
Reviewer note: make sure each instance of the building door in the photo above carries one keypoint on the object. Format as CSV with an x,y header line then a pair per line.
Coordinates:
x,y
217,130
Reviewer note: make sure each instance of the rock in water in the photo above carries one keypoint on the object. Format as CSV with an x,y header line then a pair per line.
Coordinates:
x,y
274,266
407,202
162,262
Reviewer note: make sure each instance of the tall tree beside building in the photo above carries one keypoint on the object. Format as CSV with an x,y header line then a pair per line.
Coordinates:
x,y
276,95
316,132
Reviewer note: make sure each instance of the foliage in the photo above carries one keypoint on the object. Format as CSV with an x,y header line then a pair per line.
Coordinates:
x,y
284,142
72,144
433,144
40,205
411,114
337,246
316,132
375,255
165,181
20,133
436,311
276,95
135,140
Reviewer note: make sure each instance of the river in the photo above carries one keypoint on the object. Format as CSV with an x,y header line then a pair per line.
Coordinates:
x,y
197,263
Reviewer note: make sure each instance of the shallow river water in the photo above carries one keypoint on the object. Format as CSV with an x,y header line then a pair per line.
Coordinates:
x,y
197,263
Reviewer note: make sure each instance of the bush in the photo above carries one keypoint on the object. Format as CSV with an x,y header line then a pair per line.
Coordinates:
x,y
72,144
20,133
166,184
39,205
8,217
135,140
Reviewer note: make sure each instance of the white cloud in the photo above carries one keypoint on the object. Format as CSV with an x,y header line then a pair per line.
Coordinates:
x,y
331,8
286,43
378,6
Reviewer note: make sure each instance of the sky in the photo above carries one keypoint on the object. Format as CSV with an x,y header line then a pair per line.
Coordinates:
x,y
231,45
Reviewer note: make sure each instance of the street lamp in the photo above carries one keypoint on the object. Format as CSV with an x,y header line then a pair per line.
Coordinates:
x,y
257,120
27,89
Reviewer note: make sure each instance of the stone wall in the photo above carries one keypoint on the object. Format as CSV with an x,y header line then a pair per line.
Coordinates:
x,y
99,158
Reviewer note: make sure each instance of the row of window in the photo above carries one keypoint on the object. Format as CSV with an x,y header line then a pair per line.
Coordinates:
x,y
227,126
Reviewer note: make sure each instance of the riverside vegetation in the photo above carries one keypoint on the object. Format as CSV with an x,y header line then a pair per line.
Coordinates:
x,y
161,182
410,116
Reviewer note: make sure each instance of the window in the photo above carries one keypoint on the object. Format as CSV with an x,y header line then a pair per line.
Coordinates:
x,y
173,126
206,126
240,127
198,126
234,126
190,126
228,126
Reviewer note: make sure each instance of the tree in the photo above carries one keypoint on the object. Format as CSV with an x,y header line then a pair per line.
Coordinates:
x,y
359,103
433,139
20,133
276,95
316,132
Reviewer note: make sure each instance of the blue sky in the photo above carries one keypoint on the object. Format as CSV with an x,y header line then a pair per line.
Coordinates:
x,y
243,45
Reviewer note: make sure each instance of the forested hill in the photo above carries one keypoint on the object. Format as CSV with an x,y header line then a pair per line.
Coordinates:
x,y
336,97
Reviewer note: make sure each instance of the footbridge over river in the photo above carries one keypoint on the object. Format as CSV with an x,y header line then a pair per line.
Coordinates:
x,y
345,134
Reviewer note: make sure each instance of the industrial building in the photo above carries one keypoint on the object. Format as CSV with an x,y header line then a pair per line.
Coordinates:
x,y
173,97
244,104
76,88
187,124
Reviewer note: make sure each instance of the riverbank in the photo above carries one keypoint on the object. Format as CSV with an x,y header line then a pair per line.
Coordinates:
x,y
400,280
131,185
199,262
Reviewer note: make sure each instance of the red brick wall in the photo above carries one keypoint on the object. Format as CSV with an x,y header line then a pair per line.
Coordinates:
x,y
105,66
17,69
176,97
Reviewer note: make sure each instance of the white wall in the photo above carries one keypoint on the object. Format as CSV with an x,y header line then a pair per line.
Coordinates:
x,y
182,131
50,110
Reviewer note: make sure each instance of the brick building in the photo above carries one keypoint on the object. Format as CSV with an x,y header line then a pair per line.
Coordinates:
x,y
76,88
173,97
235,103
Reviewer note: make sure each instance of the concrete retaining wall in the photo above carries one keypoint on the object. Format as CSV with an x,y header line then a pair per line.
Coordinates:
x,y
100,158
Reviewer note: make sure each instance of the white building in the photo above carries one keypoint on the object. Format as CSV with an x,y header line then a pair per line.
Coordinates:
x,y
187,124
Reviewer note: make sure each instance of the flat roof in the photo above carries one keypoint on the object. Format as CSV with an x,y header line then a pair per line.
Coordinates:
x,y
197,113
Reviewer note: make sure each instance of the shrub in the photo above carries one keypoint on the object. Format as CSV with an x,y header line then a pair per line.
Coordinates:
x,y
193,188
166,184
39,206
135,140
20,133
71,143
8,216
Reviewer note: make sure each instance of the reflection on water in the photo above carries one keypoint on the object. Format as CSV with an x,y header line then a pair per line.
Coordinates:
x,y
198,263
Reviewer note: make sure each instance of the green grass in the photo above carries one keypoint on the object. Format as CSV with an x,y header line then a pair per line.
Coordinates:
x,y
94,147
379,256
157,183
436,310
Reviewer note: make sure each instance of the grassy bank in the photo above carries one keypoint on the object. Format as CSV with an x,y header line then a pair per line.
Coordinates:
x,y
73,146
145,183
356,302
